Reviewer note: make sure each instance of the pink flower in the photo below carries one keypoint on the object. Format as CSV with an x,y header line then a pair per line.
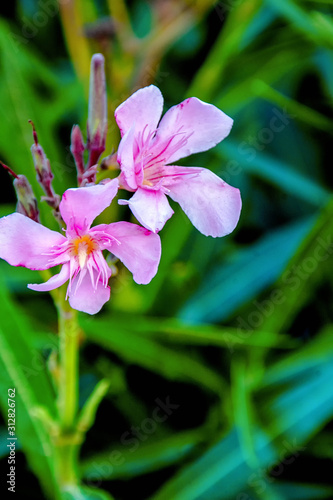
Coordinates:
x,y
146,150
24,242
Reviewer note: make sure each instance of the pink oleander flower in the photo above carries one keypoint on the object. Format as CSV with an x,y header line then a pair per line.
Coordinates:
x,y
147,149
24,242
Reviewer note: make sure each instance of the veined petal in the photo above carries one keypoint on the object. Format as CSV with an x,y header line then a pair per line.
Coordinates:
x,y
201,125
54,282
211,204
125,158
80,206
150,207
87,296
143,108
24,242
172,174
137,248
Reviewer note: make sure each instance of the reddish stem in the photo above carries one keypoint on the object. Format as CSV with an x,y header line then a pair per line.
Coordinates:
x,y
9,170
34,133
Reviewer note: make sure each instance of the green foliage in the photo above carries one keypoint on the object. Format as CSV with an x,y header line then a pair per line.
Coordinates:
x,y
238,331
32,390
150,354
291,417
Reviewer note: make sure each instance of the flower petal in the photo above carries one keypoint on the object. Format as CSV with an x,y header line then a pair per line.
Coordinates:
x,y
144,108
54,282
125,158
201,126
80,206
211,204
172,175
137,248
24,242
150,207
85,297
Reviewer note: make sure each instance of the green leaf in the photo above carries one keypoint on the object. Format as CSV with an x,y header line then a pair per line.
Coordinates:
x,y
283,58
240,280
309,371
121,462
294,491
209,77
220,469
242,410
150,354
300,111
274,171
293,412
85,493
23,368
88,412
324,62
16,279
316,26
173,331
306,270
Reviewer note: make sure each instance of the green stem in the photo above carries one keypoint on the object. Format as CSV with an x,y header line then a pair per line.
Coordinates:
x,y
72,426
68,383
68,441
66,465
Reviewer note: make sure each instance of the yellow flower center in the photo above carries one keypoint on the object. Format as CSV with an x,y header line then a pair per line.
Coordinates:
x,y
82,247
147,183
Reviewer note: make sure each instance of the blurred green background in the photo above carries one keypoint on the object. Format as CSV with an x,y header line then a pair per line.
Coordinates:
x,y
235,333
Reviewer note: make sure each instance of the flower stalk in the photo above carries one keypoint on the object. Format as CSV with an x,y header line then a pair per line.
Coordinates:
x,y
68,351
68,441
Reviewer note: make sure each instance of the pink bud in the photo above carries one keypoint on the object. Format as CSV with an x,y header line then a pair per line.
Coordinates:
x,y
97,114
77,150
42,164
45,175
26,200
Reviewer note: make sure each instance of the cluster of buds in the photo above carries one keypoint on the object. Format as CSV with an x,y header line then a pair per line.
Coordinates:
x,y
95,146
27,201
96,126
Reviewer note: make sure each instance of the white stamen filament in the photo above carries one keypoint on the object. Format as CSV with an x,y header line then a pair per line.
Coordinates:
x,y
82,254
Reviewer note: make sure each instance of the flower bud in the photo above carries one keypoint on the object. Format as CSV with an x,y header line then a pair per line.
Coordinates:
x,y
26,200
77,150
97,114
45,175
42,164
